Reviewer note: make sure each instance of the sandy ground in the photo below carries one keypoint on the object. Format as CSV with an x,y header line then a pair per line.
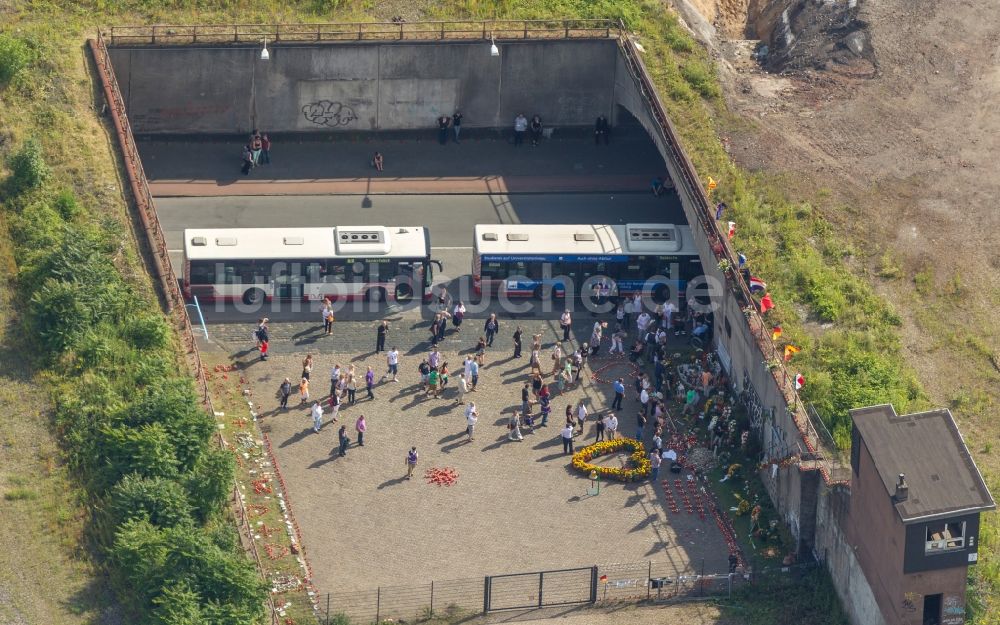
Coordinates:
x,y
907,158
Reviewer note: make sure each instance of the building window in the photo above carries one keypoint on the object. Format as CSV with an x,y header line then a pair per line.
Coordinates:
x,y
944,537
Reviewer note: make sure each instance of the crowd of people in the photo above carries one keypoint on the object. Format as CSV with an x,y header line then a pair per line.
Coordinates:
x,y
551,373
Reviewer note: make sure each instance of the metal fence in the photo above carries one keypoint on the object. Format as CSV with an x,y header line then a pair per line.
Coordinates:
x,y
592,585
172,34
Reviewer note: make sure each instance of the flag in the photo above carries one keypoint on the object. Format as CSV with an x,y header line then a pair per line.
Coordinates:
x,y
775,333
765,303
712,183
742,259
732,230
604,579
756,284
790,350
799,381
719,209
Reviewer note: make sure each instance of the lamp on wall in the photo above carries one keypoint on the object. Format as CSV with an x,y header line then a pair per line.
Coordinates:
x,y
494,50
264,54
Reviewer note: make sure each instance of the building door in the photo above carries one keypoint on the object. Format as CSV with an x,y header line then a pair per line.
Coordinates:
x,y
932,609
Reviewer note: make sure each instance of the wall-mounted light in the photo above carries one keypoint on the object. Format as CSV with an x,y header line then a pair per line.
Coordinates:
x,y
264,54
494,50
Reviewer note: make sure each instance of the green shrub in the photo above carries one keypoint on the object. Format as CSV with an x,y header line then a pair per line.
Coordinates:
x,y
147,332
14,57
210,482
178,604
67,205
27,168
161,502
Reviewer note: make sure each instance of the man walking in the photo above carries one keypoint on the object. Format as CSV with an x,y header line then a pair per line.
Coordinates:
x,y
317,417
526,399
566,323
474,374
491,327
517,342
619,387
344,441
567,438
370,382
283,392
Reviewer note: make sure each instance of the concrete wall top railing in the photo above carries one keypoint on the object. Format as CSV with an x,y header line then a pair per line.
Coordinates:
x,y
167,34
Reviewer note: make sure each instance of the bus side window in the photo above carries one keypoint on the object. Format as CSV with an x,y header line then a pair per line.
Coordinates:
x,y
493,271
533,270
334,271
356,271
202,273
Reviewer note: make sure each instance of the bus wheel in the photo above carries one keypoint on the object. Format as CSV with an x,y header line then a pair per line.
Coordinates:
x,y
404,292
375,295
661,293
253,296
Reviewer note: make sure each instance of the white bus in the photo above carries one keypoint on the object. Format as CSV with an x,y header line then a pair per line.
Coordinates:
x,y
549,260
254,265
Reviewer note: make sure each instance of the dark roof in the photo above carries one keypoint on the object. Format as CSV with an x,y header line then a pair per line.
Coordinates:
x,y
928,448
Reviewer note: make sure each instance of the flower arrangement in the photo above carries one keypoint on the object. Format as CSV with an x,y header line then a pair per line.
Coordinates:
x,y
638,464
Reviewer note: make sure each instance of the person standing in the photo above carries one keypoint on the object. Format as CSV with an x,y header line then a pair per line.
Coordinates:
x,y
433,382
456,125
526,398
411,461
361,426
619,388
517,342
352,387
317,417
327,313
434,358
654,462
612,427
581,414
596,336
247,160
392,361
265,150
491,327
263,338
471,418
566,323
443,129
334,378
545,405
256,145
304,391
599,429
514,427
644,400
458,314
536,130
602,130
640,423
567,438
474,375
344,441
283,392
370,382
378,161
463,387
520,127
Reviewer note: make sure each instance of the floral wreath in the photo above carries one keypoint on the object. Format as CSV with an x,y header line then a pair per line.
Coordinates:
x,y
639,465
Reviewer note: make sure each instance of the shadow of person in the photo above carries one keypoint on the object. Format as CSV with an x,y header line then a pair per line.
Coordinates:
x,y
297,437
392,482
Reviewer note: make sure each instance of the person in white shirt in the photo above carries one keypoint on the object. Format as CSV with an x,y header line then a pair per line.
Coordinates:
x,y
514,427
637,302
467,365
317,417
668,315
581,415
618,342
334,378
463,388
471,418
612,427
434,358
642,322
644,399
392,360
567,438
566,323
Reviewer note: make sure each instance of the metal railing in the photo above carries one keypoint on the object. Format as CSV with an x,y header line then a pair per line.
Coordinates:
x,y
811,439
596,584
462,30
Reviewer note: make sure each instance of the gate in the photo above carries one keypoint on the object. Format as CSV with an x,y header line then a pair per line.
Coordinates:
x,y
520,591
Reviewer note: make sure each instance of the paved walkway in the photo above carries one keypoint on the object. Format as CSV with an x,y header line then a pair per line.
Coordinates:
x,y
517,506
484,165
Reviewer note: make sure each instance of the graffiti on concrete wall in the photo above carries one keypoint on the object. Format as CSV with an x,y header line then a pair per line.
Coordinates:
x,y
329,113
751,402
910,600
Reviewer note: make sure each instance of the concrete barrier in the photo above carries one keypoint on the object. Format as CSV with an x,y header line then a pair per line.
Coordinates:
x,y
365,86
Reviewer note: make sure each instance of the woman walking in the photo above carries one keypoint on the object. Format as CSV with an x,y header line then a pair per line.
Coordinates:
x,y
304,391
457,315
411,462
352,387
307,366
491,327
370,382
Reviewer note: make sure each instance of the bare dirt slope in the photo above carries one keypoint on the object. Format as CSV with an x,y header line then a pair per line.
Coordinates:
x,y
910,162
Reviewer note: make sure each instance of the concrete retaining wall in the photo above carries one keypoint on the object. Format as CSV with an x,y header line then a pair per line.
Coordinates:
x,y
192,90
